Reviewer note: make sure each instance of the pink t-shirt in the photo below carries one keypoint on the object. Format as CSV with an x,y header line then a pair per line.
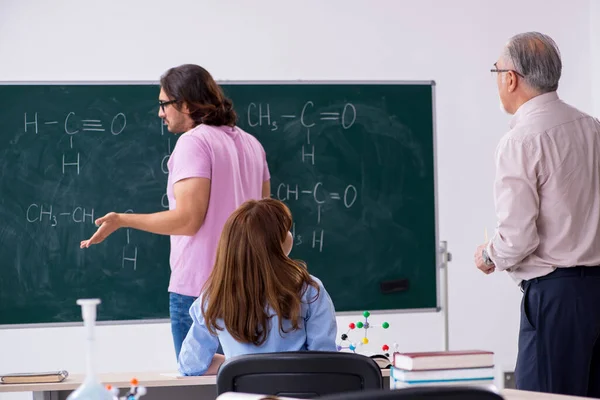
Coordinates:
x,y
236,164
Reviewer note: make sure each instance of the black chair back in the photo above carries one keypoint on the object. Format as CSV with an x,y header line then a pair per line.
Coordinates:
x,y
304,374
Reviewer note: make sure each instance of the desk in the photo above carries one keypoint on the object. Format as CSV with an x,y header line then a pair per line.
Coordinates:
x,y
159,386
196,387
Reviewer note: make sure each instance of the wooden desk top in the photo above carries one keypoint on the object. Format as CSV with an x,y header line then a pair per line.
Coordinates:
x,y
166,379
120,380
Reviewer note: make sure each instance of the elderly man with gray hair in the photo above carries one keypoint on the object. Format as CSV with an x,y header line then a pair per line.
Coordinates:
x,y
547,200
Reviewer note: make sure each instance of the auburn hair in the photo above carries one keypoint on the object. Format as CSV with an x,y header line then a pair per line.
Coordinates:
x,y
253,279
193,85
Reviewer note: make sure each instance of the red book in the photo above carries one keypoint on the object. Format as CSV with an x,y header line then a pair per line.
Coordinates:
x,y
443,360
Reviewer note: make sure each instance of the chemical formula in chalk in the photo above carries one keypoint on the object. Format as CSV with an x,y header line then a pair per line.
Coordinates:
x,y
47,214
53,216
73,125
260,115
310,117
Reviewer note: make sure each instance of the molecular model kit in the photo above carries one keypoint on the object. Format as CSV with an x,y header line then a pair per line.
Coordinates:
x,y
135,392
346,343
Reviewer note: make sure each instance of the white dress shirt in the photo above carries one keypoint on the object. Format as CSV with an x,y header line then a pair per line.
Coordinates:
x,y
547,190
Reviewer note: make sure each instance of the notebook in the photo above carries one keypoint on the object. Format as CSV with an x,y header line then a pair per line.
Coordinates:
x,y
34,377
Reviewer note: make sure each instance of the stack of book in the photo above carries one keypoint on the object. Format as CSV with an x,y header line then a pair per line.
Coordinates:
x,y
466,368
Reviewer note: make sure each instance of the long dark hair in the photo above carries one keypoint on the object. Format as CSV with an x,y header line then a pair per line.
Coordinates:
x,y
252,272
193,85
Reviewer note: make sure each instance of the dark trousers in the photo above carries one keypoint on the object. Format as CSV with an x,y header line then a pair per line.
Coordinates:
x,y
559,349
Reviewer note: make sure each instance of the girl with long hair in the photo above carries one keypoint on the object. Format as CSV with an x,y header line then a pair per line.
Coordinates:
x,y
257,299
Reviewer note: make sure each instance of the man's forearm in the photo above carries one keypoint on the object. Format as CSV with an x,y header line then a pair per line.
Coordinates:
x,y
163,223
507,252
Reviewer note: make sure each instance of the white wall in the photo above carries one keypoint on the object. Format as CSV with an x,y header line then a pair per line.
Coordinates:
x,y
454,43
595,46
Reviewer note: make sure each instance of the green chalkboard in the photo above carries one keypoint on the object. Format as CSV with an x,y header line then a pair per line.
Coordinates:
x,y
355,162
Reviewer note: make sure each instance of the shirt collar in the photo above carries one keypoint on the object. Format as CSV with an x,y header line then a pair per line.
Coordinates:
x,y
531,105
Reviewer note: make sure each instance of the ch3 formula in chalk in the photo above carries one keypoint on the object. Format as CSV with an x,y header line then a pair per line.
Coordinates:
x,y
53,216
259,114
48,214
72,125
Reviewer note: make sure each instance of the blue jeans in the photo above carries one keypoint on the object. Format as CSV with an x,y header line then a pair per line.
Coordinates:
x,y
181,321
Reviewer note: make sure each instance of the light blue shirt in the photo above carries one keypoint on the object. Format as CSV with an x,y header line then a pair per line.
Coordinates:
x,y
317,332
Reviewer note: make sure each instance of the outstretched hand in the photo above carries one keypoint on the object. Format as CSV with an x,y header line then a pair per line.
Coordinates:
x,y
107,225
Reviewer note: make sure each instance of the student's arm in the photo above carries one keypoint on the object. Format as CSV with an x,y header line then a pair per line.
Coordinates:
x,y
215,364
191,171
321,325
197,356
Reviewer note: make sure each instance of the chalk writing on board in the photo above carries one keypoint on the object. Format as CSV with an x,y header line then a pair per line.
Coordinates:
x,y
286,192
310,117
45,214
318,239
118,124
164,201
165,159
66,163
72,125
260,115
315,242
127,257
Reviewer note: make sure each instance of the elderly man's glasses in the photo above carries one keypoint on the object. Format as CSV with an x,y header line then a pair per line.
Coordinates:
x,y
495,69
